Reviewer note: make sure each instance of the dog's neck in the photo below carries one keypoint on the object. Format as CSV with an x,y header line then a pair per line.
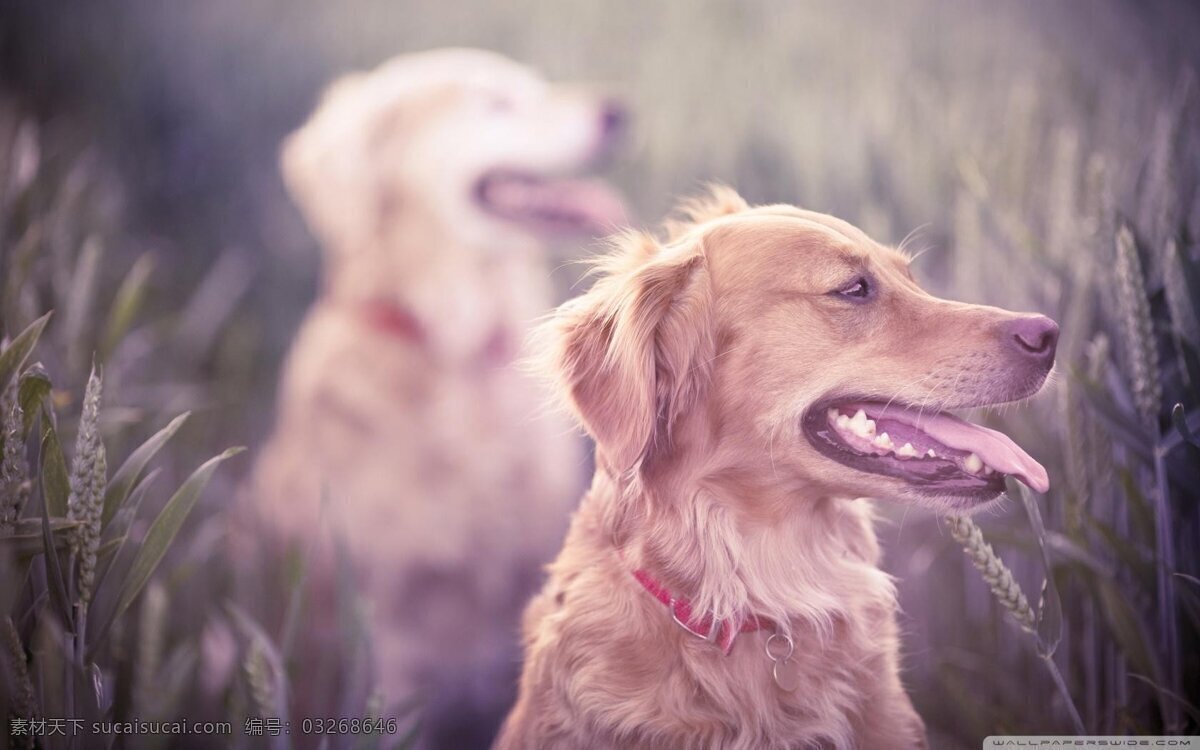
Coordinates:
x,y
739,544
456,300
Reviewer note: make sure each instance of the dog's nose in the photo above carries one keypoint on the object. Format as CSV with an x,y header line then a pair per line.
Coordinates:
x,y
1036,337
613,117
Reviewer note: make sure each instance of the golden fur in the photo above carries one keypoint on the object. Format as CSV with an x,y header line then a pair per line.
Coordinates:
x,y
689,362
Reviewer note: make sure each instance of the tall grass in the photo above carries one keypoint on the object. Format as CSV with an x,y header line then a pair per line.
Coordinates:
x,y
93,626
1120,423
74,560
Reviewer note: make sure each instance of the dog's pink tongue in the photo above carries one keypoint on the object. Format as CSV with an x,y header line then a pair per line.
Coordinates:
x,y
595,201
995,448
571,204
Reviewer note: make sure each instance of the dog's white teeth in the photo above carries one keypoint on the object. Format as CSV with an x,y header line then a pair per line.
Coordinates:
x,y
861,426
988,471
864,428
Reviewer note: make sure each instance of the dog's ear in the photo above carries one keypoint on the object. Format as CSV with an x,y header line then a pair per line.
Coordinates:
x,y
635,352
719,200
325,166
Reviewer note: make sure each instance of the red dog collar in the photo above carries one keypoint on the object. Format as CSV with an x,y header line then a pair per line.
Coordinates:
x,y
393,320
705,628
401,323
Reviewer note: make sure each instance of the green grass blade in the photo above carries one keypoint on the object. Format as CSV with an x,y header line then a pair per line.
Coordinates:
x,y
56,484
54,573
255,633
14,356
1176,698
160,535
1141,515
79,303
1049,620
1168,624
126,304
29,541
1139,562
295,605
1135,438
33,389
107,551
117,532
123,519
123,481
1128,630
1189,598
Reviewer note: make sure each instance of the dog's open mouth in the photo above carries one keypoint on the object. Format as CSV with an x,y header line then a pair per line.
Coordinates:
x,y
551,204
934,451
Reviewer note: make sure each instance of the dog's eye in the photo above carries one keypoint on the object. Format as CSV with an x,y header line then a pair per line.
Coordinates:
x,y
858,289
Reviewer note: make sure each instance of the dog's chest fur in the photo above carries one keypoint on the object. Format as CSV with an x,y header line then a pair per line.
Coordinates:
x,y
626,671
390,429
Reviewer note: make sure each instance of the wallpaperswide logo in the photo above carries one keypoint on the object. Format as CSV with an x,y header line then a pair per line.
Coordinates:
x,y
1047,742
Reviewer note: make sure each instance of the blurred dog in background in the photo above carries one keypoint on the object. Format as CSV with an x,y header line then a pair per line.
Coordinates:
x,y
433,183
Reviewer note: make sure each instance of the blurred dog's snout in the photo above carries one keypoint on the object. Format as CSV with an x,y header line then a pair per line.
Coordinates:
x,y
613,117
1035,337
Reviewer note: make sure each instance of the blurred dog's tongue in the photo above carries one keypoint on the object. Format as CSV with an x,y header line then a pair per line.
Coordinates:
x,y
585,204
995,448
602,206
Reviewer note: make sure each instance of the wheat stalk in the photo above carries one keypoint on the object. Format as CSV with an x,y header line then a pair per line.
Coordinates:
x,y
1179,297
997,575
1136,327
1008,592
1179,305
89,473
24,700
14,470
1158,199
257,673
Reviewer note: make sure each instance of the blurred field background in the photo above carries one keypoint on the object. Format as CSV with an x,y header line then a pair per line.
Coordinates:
x,y
1046,155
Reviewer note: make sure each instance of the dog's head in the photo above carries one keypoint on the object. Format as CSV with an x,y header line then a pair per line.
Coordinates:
x,y
479,144
789,341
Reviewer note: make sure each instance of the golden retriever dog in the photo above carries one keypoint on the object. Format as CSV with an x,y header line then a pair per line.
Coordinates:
x,y
746,379
433,184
